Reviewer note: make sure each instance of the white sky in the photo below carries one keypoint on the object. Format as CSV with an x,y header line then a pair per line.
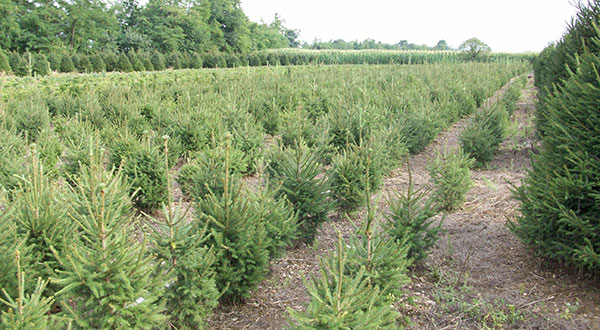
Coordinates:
x,y
505,25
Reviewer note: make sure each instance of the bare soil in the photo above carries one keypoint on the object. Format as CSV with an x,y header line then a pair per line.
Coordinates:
x,y
478,276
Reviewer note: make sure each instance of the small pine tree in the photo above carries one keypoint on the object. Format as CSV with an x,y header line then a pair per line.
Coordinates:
x,y
107,278
238,238
278,218
41,67
299,173
123,64
66,64
451,177
28,311
342,301
191,292
4,65
85,66
410,220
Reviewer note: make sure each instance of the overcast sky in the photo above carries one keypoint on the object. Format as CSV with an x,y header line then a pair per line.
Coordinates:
x,y
505,25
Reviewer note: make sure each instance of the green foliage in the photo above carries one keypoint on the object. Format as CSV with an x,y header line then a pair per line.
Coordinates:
x,y
4,65
411,220
141,164
97,63
111,60
158,61
31,118
66,64
19,65
54,59
304,187
123,64
418,130
342,301
348,177
107,278
40,217
560,203
206,172
136,62
40,66
84,65
191,292
279,220
28,311
474,49
482,137
451,178
238,237
12,153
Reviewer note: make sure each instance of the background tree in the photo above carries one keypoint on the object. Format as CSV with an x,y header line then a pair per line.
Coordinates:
x,y
474,48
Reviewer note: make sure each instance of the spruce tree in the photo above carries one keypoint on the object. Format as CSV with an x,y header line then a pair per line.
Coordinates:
x,y
4,65
123,64
18,64
97,63
158,61
28,311
66,64
107,277
41,67
179,251
299,171
238,237
560,210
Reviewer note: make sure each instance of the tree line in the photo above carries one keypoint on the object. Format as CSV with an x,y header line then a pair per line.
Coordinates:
x,y
91,26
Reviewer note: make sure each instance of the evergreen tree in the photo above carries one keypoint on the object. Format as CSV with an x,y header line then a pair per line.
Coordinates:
x,y
41,67
560,210
107,277
18,64
54,59
179,251
136,62
4,65
158,61
299,172
238,237
66,64
112,62
97,62
123,64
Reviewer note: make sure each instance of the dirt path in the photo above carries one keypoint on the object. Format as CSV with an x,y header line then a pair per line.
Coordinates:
x,y
479,274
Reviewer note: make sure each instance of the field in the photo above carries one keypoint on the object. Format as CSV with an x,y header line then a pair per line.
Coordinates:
x,y
158,197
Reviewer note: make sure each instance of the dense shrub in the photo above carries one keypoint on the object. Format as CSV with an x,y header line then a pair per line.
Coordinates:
x,y
111,60
158,61
4,65
97,63
451,178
